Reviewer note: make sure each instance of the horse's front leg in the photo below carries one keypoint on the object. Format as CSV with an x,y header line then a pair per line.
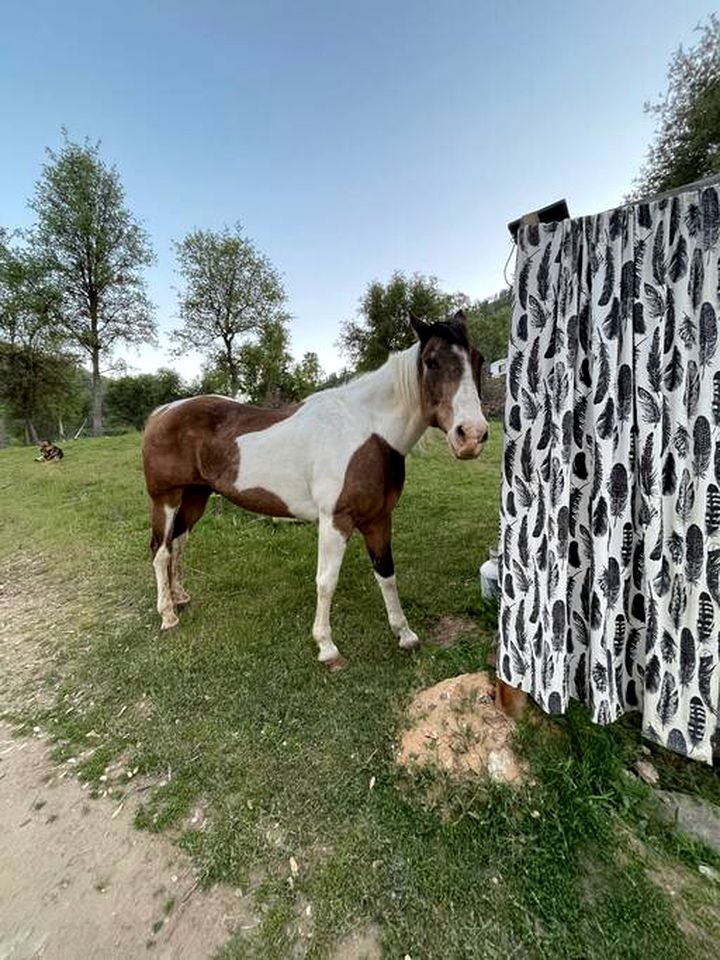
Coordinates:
x,y
331,550
378,540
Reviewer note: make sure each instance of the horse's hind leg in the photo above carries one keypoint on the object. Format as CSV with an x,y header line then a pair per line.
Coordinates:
x,y
194,500
164,511
331,550
378,540
177,548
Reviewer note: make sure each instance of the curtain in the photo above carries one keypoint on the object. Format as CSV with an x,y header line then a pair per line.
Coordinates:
x,y
610,521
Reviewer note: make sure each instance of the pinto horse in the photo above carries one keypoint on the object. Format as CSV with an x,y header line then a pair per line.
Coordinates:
x,y
338,458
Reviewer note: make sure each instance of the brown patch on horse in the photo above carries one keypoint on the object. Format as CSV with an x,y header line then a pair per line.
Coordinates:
x,y
374,480
192,506
260,500
476,363
194,444
441,371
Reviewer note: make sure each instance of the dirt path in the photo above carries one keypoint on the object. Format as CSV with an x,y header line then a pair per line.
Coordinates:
x,y
77,880
77,883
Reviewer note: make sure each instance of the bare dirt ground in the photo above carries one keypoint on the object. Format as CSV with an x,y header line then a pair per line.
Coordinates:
x,y
77,880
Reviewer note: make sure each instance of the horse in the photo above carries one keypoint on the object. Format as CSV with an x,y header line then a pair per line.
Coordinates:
x,y
337,458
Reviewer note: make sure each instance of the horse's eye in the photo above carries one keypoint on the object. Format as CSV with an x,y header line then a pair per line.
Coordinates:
x,y
431,363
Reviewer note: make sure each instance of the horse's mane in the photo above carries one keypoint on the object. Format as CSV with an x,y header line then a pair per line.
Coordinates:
x,y
400,369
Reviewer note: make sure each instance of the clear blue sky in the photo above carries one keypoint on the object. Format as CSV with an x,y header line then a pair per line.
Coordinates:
x,y
350,138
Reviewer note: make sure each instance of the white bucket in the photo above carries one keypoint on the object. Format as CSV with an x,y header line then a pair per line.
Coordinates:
x,y
489,577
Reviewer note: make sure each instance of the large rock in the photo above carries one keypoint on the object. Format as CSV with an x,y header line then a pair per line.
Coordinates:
x,y
456,727
698,818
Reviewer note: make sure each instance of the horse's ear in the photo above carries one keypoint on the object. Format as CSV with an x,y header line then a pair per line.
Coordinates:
x,y
460,320
422,330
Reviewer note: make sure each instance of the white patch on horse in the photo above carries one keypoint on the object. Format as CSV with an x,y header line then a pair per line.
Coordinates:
x,y
159,411
222,396
163,408
469,427
303,459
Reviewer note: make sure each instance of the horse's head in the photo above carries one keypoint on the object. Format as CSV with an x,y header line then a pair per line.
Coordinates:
x,y
449,371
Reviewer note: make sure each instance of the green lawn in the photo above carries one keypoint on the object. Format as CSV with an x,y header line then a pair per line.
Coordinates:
x,y
281,754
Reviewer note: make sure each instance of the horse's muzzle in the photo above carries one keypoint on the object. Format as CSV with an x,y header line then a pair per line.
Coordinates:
x,y
467,443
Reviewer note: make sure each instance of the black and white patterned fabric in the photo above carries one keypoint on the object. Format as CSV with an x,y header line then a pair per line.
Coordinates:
x,y
610,532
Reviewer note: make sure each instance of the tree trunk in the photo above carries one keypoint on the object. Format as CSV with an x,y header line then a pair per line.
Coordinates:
x,y
232,371
30,432
97,423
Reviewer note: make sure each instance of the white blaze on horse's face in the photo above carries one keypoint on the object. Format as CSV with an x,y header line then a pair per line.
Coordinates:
x,y
450,378
469,429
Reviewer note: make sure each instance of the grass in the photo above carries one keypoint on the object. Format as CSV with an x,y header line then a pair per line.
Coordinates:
x,y
232,712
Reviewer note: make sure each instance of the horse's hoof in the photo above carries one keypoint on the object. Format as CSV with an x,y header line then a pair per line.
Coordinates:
x,y
336,664
409,640
169,623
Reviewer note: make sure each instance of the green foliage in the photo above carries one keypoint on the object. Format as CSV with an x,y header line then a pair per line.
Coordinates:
x,y
687,137
129,400
40,383
230,292
29,302
41,391
307,375
94,251
385,308
265,365
335,379
489,324
383,326
267,374
212,379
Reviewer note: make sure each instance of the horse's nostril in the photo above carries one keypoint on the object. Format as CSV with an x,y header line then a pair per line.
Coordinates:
x,y
460,431
484,436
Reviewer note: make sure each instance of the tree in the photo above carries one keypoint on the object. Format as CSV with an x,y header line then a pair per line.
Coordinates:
x,y
489,325
687,136
129,400
265,366
211,380
231,291
336,379
307,375
94,250
385,309
40,391
38,378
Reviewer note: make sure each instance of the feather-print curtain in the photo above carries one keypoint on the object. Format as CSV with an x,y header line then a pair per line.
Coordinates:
x,y
610,542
